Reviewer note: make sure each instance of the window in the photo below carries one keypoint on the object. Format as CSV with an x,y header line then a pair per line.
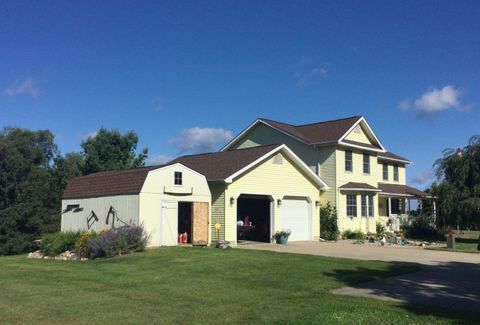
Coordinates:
x,y
395,173
395,206
178,178
370,206
385,172
366,163
348,161
351,205
364,205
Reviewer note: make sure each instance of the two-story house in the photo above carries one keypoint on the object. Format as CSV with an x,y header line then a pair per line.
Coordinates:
x,y
366,182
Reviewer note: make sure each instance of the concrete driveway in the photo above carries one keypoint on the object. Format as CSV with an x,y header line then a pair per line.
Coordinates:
x,y
370,252
446,279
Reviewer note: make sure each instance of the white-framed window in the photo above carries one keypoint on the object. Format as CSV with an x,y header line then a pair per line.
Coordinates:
x,y
385,171
351,205
364,205
178,178
366,163
395,173
348,161
370,206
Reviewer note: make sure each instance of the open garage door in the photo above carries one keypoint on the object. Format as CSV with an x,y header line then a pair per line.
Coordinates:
x,y
296,217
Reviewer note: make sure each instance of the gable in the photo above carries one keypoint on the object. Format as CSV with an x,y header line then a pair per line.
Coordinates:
x,y
358,134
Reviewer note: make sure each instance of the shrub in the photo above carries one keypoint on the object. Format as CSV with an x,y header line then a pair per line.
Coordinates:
x,y
422,227
328,222
81,244
380,229
55,243
353,234
116,242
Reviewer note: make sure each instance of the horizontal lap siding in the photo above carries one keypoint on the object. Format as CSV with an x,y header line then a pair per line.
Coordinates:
x,y
328,174
218,211
276,180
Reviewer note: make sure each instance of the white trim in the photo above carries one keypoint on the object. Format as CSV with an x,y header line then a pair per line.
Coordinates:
x,y
395,194
359,189
360,147
407,162
292,156
362,119
257,121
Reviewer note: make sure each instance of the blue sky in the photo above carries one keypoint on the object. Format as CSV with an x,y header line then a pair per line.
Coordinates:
x,y
186,76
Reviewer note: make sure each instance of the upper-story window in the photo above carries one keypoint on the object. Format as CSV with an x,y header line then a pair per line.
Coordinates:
x,y
351,205
366,163
385,171
178,178
395,173
348,161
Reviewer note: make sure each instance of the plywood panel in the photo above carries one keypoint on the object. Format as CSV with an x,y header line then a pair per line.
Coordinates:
x,y
200,222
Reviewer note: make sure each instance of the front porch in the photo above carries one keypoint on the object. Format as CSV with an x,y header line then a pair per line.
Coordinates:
x,y
395,204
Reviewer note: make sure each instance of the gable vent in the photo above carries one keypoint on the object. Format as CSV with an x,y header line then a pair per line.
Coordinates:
x,y
357,129
278,159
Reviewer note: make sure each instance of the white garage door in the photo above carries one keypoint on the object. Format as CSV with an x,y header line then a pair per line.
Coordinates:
x,y
295,216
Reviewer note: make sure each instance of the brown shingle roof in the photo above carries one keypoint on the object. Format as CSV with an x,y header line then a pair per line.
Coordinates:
x,y
354,185
221,165
115,182
401,190
327,131
391,155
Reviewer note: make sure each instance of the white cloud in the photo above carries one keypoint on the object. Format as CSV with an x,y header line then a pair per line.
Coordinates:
x,y
424,177
25,87
305,77
437,100
404,105
201,139
158,160
89,135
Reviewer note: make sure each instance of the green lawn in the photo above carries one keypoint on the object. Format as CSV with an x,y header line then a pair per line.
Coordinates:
x,y
466,243
199,286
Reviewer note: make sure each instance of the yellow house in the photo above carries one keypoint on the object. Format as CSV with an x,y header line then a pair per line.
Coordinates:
x,y
367,183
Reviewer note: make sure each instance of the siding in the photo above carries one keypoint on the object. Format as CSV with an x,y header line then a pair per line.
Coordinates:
x,y
126,206
218,211
359,137
357,223
328,174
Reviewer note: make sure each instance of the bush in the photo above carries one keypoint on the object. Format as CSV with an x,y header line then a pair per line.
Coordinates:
x,y
422,227
115,242
55,243
353,234
328,222
81,244
380,229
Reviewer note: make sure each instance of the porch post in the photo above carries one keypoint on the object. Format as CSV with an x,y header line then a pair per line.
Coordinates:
x,y
434,212
389,206
407,206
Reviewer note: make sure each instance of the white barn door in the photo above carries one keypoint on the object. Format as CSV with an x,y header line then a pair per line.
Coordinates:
x,y
296,217
169,224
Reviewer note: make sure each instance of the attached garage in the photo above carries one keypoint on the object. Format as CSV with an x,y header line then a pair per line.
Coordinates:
x,y
260,190
168,200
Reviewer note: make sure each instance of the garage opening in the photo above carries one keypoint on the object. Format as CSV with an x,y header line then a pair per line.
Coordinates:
x,y
185,222
253,218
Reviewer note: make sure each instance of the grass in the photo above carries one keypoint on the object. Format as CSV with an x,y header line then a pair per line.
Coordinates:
x,y
201,286
467,243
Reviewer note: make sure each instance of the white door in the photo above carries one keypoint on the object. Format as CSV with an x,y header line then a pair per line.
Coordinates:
x,y
169,224
296,217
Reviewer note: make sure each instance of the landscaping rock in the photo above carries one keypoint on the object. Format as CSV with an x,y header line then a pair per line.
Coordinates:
x,y
37,255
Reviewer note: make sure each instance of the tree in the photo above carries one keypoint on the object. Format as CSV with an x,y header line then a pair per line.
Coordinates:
x,y
110,150
458,192
29,199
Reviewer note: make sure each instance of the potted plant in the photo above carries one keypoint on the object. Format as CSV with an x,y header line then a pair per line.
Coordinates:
x,y
281,236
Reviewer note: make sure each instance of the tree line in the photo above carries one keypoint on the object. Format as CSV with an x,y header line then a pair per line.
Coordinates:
x,y
33,176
